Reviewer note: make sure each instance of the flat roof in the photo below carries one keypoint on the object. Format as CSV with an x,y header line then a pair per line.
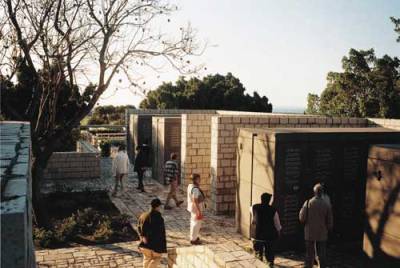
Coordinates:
x,y
319,130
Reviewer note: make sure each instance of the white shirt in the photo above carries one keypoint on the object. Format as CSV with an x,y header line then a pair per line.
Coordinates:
x,y
120,163
191,194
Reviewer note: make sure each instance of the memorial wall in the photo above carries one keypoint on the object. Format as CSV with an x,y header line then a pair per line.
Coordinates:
x,y
289,162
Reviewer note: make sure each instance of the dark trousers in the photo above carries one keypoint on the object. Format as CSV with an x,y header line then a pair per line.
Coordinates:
x,y
140,173
315,248
265,248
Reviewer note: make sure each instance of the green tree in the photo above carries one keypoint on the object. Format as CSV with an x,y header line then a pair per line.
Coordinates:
x,y
109,115
212,92
312,104
368,87
396,22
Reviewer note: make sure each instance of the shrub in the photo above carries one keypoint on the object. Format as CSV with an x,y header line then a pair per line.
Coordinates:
x,y
42,237
66,229
87,219
119,222
103,231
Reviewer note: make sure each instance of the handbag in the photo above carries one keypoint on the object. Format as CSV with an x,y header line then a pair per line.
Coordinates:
x,y
306,218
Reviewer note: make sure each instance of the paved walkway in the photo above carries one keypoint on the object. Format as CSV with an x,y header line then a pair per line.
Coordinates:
x,y
217,229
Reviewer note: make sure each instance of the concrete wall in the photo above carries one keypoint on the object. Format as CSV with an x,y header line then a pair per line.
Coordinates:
x,y
73,165
196,148
217,256
17,249
132,117
387,123
83,146
224,130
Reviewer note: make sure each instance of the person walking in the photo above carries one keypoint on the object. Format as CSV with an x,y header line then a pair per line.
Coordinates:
x,y
153,240
266,228
139,166
171,174
195,205
120,168
316,215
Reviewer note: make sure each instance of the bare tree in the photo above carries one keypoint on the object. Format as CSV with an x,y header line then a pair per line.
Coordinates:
x,y
81,46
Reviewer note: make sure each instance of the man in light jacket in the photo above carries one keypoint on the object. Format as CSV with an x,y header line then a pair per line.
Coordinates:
x,y
120,168
316,215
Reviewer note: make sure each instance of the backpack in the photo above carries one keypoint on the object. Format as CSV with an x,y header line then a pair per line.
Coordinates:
x,y
202,197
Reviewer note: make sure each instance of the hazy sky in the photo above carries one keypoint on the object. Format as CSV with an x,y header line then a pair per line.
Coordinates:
x,y
282,49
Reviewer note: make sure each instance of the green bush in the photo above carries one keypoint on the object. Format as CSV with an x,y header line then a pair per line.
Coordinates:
x,y
103,231
120,221
43,238
88,222
66,229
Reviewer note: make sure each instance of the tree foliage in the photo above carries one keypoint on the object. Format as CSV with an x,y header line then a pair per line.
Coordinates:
x,y
109,115
312,104
212,92
396,22
57,57
367,87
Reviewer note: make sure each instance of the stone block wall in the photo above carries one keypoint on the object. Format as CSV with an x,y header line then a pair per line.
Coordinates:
x,y
224,131
132,121
196,148
73,165
17,248
217,256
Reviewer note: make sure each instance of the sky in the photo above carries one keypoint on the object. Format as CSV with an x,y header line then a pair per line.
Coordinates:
x,y
282,49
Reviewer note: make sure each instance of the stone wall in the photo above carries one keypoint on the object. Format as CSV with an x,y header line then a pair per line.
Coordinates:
x,y
224,130
73,165
196,148
387,123
217,255
16,196
132,119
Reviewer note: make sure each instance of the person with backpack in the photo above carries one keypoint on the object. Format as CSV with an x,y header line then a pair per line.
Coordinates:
x,y
171,175
120,168
153,240
196,205
265,228
316,215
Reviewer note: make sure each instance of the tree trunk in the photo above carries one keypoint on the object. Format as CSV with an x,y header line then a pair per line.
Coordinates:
x,y
38,204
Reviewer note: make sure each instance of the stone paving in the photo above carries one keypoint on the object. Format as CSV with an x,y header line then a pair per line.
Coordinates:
x,y
216,230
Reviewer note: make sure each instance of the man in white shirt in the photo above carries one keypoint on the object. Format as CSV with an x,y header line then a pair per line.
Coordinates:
x,y
120,168
195,200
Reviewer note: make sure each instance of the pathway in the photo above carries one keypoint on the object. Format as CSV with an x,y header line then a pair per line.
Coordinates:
x,y
217,229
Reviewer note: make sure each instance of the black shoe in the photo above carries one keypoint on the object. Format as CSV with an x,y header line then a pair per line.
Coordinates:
x,y
195,242
142,190
167,207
